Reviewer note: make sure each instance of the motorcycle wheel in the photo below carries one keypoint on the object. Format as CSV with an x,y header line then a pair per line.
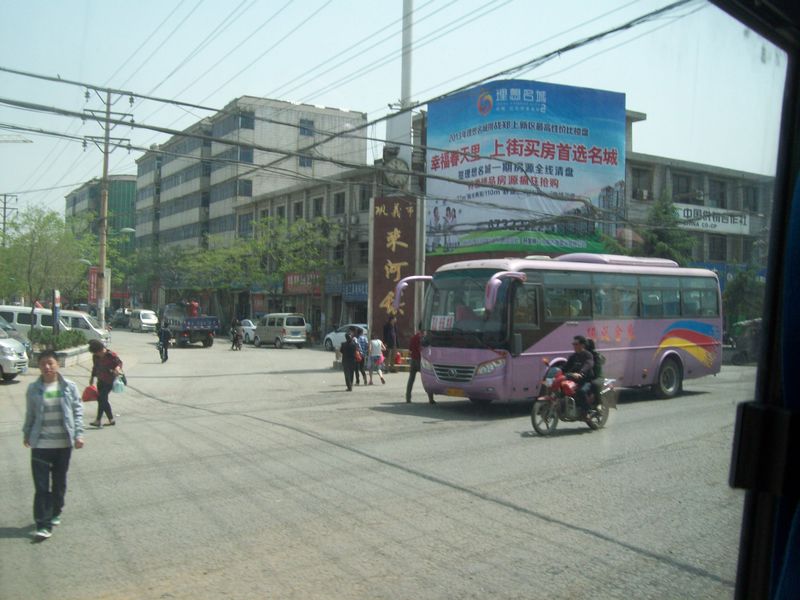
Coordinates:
x,y
598,416
544,417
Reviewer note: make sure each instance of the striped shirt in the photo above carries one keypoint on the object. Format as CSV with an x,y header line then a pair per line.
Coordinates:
x,y
54,433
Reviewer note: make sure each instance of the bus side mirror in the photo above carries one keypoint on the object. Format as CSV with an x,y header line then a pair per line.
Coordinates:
x,y
516,344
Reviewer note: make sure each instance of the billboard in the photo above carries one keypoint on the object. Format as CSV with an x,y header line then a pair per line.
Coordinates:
x,y
515,165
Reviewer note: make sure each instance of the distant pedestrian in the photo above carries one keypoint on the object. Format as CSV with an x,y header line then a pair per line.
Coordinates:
x,y
363,346
376,350
348,352
164,336
390,340
53,425
106,365
415,358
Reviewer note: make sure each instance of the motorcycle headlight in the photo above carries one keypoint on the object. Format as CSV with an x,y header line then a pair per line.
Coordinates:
x,y
426,364
490,366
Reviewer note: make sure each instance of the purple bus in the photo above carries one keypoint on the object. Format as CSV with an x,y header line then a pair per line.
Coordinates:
x,y
491,324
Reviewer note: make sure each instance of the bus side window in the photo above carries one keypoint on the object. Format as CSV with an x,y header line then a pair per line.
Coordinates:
x,y
526,314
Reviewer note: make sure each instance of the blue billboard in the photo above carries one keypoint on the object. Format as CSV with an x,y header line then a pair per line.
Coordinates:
x,y
510,162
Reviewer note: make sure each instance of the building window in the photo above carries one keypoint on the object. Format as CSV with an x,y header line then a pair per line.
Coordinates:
x,y
642,183
298,210
338,253
206,168
717,193
338,203
750,199
682,189
245,187
304,161
364,193
716,247
247,120
363,253
280,212
246,155
245,225
317,202
306,127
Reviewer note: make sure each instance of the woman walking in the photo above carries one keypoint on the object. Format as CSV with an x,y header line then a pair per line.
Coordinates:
x,y
106,365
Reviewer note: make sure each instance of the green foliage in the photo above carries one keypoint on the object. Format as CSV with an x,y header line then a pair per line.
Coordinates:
x,y
62,341
662,237
42,254
743,297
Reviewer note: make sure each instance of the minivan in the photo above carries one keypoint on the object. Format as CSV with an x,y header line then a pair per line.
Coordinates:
x,y
280,329
85,323
20,318
143,320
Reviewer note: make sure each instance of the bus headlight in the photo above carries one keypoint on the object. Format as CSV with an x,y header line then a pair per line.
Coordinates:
x,y
426,364
490,366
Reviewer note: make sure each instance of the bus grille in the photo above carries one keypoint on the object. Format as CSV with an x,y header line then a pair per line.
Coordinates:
x,y
455,373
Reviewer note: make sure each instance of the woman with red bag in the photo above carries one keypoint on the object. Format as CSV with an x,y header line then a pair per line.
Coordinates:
x,y
106,366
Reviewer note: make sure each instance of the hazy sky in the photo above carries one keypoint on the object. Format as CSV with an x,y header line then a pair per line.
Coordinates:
x,y
710,88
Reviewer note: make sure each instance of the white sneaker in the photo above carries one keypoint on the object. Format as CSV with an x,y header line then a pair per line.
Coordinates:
x,y
42,534
56,521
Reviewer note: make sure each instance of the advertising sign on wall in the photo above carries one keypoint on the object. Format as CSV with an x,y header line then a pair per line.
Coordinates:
x,y
510,162
394,249
712,220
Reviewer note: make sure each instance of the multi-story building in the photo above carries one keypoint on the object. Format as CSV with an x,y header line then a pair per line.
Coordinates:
x,y
84,202
190,187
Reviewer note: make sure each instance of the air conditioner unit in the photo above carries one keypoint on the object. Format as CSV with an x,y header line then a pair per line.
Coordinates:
x,y
645,194
354,219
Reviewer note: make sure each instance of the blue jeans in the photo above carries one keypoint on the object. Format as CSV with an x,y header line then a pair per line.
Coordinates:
x,y
47,463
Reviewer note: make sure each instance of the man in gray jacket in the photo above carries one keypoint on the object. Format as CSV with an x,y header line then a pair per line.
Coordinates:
x,y
53,424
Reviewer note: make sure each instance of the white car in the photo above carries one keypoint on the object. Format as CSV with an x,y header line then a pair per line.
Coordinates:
x,y
249,328
335,338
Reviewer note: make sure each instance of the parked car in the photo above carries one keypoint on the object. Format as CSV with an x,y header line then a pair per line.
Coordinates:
x,y
281,329
13,359
121,318
20,318
249,330
143,320
335,338
13,333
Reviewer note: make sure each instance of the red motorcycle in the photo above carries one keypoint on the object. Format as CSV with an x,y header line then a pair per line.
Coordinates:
x,y
558,402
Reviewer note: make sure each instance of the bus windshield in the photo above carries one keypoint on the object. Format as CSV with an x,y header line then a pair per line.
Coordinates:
x,y
455,315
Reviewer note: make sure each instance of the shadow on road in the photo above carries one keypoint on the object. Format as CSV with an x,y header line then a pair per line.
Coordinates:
x,y
16,532
456,410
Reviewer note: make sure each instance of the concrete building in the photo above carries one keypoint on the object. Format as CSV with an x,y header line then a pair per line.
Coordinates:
x,y
190,187
84,202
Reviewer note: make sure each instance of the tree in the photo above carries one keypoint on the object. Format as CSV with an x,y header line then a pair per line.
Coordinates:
x,y
662,237
42,254
743,297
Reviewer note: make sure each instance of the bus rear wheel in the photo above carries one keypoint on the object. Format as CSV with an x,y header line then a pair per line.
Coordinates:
x,y
669,382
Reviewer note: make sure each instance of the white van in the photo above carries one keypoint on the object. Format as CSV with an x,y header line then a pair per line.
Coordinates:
x,y
85,323
20,318
143,320
280,329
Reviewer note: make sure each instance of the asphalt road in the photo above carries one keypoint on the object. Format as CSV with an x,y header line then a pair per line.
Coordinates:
x,y
254,474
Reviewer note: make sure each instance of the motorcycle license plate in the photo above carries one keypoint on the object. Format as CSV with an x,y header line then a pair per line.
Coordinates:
x,y
459,393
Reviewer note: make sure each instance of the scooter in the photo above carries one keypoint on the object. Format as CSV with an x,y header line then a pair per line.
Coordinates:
x,y
558,402
236,341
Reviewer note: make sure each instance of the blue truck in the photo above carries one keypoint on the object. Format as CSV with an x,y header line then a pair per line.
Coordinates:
x,y
187,329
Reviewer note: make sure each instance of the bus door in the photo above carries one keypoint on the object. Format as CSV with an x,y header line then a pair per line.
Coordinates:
x,y
526,320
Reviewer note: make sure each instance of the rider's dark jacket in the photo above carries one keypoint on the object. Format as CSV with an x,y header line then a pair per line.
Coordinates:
x,y
581,362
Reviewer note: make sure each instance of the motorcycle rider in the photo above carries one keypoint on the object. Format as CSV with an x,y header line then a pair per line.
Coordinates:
x,y
580,368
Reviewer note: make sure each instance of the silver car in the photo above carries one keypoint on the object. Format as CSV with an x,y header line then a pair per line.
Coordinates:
x,y
335,338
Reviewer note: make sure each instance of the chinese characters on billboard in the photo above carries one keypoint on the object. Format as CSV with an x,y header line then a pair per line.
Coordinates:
x,y
393,257
512,163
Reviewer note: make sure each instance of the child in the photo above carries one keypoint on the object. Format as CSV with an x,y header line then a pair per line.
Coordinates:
x,y
376,350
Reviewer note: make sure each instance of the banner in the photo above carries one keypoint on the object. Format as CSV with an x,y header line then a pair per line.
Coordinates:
x,y
513,158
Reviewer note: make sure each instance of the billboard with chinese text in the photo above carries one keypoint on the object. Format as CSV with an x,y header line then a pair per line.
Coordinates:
x,y
520,165
394,249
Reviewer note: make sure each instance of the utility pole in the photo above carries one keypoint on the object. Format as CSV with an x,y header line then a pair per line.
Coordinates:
x,y
104,285
6,210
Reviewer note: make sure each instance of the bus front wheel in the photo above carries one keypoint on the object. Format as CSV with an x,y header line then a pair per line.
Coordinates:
x,y
670,379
